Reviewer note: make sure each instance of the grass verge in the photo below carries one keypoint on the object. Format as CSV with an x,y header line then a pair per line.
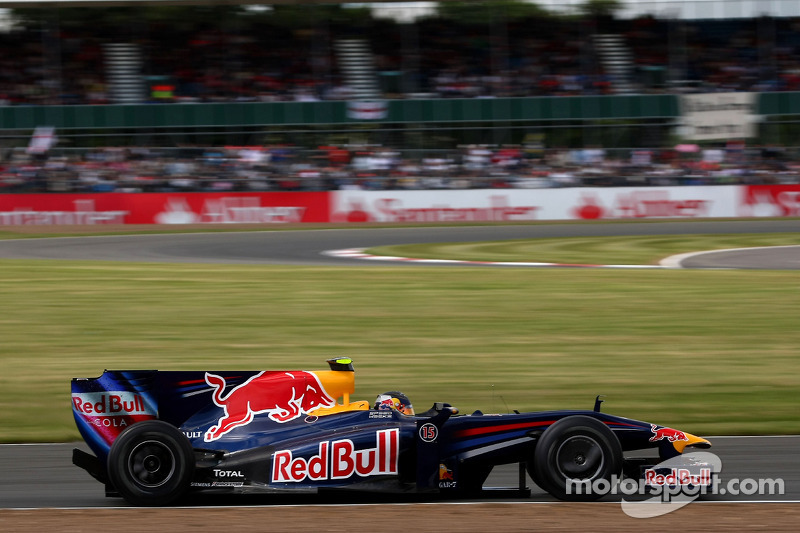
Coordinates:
x,y
645,250
707,351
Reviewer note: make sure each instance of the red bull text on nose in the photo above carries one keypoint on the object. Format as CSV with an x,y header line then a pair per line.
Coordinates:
x,y
672,435
283,395
339,460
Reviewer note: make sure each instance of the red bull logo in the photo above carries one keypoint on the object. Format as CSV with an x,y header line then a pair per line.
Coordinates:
x,y
339,460
111,411
387,404
445,474
446,478
110,404
672,435
678,477
284,395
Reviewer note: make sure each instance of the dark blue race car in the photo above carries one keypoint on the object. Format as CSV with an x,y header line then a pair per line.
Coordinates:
x,y
160,435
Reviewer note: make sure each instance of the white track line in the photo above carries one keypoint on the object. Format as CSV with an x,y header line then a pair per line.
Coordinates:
x,y
676,261
358,253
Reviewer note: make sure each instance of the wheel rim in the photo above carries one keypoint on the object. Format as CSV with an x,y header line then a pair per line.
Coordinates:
x,y
151,464
580,457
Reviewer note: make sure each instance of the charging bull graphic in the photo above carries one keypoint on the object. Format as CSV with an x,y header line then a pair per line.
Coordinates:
x,y
670,434
445,474
284,395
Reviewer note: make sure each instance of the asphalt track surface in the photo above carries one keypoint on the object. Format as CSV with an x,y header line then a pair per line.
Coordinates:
x,y
42,476
308,247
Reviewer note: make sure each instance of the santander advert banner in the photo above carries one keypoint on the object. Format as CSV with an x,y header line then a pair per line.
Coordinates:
x,y
163,208
501,205
515,205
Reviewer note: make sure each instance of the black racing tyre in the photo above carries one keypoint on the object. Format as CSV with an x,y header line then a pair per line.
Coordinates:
x,y
579,449
151,463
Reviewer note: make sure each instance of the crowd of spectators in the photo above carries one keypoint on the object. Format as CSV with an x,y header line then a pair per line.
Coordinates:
x,y
534,57
755,55
285,168
192,64
434,57
39,68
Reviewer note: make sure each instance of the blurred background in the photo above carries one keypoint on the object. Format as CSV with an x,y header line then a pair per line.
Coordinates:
x,y
305,95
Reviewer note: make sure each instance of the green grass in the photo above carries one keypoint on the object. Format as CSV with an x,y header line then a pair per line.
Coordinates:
x,y
707,351
644,250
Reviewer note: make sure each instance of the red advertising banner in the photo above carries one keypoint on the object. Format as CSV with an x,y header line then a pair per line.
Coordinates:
x,y
769,201
163,208
394,206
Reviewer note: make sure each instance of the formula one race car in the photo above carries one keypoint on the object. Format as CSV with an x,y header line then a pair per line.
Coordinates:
x,y
159,436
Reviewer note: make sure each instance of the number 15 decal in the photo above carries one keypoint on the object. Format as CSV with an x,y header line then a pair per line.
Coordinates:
x,y
428,432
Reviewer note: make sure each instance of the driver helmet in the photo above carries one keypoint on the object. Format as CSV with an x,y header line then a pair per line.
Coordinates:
x,y
394,400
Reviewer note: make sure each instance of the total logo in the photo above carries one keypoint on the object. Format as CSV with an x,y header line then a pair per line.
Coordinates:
x,y
339,460
228,473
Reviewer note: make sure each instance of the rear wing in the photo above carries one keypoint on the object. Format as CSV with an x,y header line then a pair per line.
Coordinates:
x,y
105,406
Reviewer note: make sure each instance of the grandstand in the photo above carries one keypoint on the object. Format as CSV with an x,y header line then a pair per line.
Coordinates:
x,y
127,55
180,78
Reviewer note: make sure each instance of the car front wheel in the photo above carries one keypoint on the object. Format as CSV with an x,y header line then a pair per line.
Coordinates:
x,y
576,459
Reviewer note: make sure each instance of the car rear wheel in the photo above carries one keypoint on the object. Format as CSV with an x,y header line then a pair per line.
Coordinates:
x,y
151,463
576,456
